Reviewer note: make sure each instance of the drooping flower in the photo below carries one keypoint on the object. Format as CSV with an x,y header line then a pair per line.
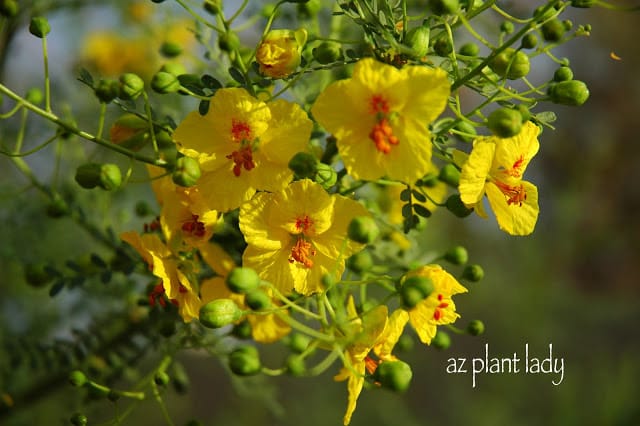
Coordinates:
x,y
242,145
495,166
380,118
435,309
280,51
298,235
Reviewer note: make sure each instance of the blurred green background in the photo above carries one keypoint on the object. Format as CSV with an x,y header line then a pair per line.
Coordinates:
x,y
573,284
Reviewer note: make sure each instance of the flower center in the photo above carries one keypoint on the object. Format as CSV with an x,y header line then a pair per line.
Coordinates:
x,y
515,170
438,313
242,158
157,295
382,133
302,251
370,364
515,194
194,227
240,131
304,224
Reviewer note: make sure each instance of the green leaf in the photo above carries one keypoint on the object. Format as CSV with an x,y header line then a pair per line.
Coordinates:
x,y
405,195
421,210
237,75
56,288
97,260
85,77
418,196
203,107
210,82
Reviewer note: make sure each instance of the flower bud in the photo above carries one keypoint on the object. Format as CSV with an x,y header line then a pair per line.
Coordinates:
x,y
107,90
219,312
57,208
442,46
572,93
299,342
507,27
449,174
418,40
212,6
363,229
242,330
405,343
469,49
457,255
360,262
8,8
106,176
164,82
327,52
563,74
524,112
415,289
326,175
37,275
553,30
304,165
245,361
279,52
394,375
309,9
34,95
187,172
441,340
161,378
174,68
39,26
455,205
444,7
131,86
505,122
129,131
473,273
510,63
78,419
466,127
475,328
529,41
77,378
257,300
296,366
169,49
242,280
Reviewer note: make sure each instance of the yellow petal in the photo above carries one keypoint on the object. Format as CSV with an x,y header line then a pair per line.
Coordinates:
x,y
515,219
475,171
195,137
218,259
430,90
268,328
288,134
411,158
354,387
392,332
513,154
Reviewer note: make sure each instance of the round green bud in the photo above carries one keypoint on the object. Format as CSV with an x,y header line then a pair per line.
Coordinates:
x,y
57,208
242,280
242,330
309,9
106,176
296,366
34,95
394,375
39,26
212,6
363,229
441,340
228,42
424,284
524,112
563,74
418,40
466,127
245,361
326,175
583,3
553,30
568,25
170,50
37,275
219,312
328,280
78,419
505,122
450,175
529,41
360,262
540,17
411,296
327,52
164,82
475,328
473,273
572,93
469,49
457,255
187,172
131,86
304,165
405,343
455,205
107,90
142,209
444,7
8,8
77,378
257,300
299,342
510,63
161,378
442,46
174,68
507,27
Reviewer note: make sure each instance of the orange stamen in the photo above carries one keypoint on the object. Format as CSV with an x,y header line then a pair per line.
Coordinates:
x,y
515,194
194,227
304,224
242,158
240,131
516,169
378,105
370,364
301,252
382,136
157,295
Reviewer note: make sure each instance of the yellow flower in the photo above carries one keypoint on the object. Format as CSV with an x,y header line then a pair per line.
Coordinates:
x,y
379,117
437,308
172,271
495,167
373,332
298,235
110,54
265,328
279,52
243,145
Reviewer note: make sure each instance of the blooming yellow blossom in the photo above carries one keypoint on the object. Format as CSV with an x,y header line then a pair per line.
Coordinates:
x,y
298,235
279,52
495,167
243,145
379,117
111,54
437,308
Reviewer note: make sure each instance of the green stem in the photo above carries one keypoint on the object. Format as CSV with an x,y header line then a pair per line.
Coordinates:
x,y
47,82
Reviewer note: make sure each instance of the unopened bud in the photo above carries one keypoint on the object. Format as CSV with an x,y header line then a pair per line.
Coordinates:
x,y
394,375
107,90
507,27
296,366
511,63
106,176
34,95
475,328
441,340
242,280
444,7
572,93
553,30
219,312
161,378
473,273
131,86
468,128
442,46
360,262
280,52
242,330
164,82
326,175
415,289
418,40
505,122
529,41
78,419
169,49
39,26
457,255
455,205
449,174
187,172
563,74
299,342
37,275
245,361
469,49
363,229
213,6
304,165
257,300
327,52
77,378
